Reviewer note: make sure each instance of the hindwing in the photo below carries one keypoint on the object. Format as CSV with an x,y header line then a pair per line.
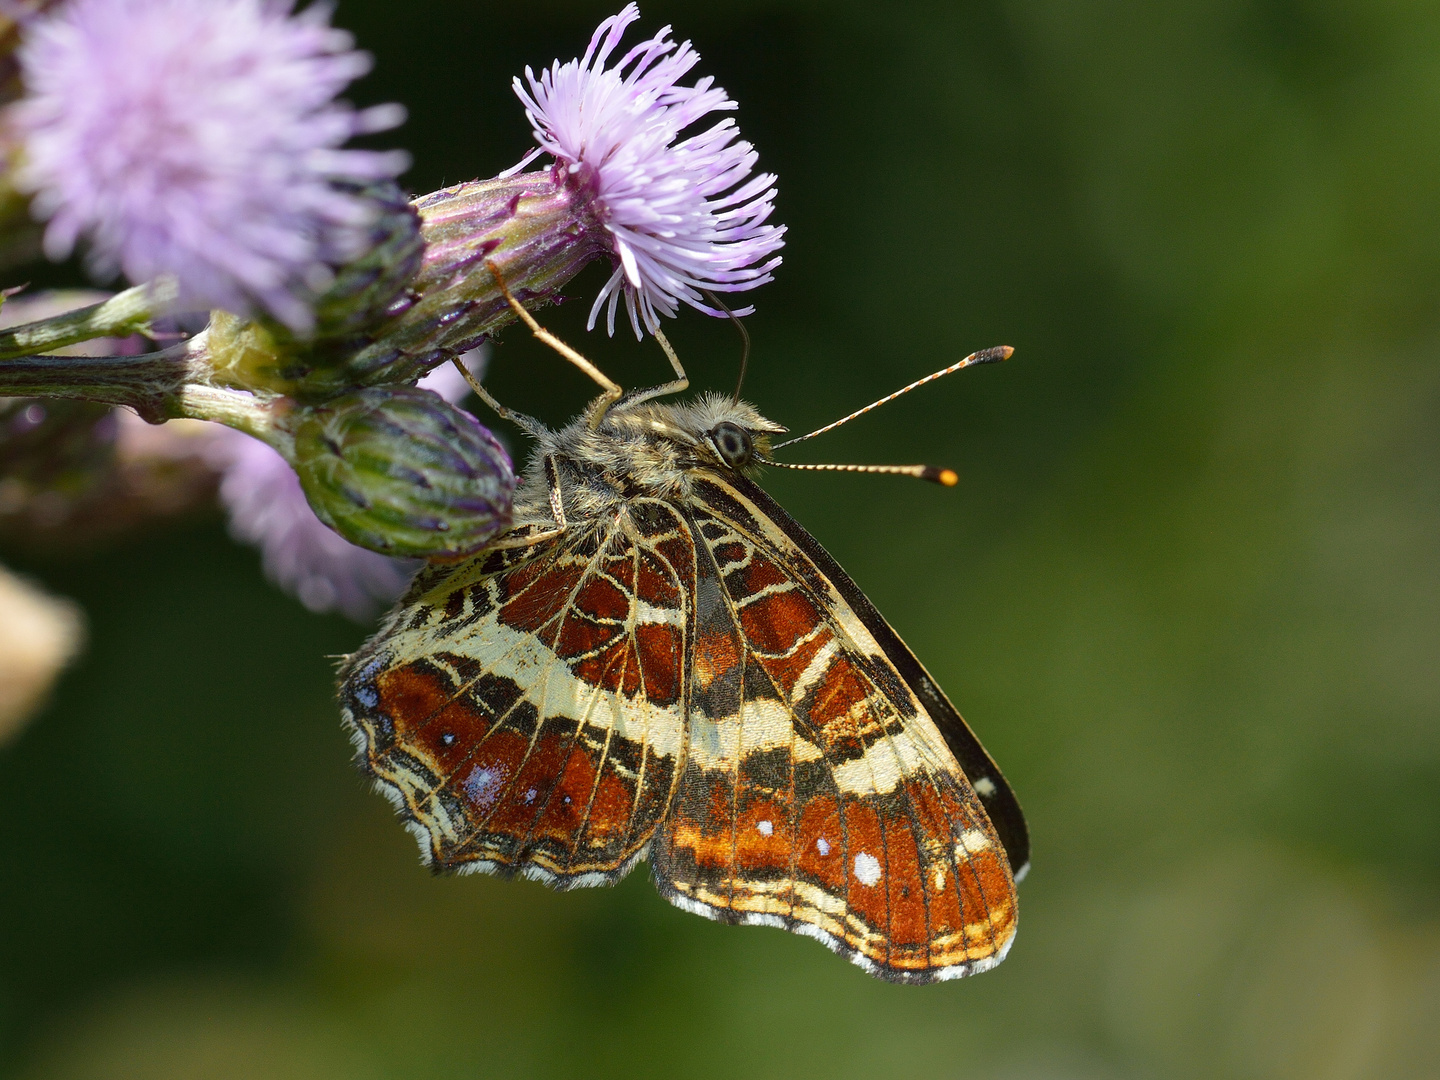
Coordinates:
x,y
524,710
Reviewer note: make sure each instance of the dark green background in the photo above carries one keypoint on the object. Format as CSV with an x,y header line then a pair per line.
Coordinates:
x,y
1187,590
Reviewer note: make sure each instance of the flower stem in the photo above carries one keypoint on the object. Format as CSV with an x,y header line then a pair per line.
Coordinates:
x,y
122,315
159,386
149,383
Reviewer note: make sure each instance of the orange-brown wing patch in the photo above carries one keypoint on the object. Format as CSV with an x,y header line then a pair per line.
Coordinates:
x,y
523,709
816,794
615,615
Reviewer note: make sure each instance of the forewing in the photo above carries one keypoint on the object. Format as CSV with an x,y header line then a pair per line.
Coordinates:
x,y
817,793
980,770
524,710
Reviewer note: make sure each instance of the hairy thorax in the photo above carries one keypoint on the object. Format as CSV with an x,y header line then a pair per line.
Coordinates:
x,y
647,449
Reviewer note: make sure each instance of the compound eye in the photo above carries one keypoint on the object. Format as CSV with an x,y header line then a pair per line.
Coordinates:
x,y
733,444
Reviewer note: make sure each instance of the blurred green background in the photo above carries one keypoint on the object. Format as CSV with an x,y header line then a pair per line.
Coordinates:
x,y
1187,592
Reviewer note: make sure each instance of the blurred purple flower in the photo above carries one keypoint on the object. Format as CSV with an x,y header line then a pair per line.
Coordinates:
x,y
300,555
200,138
683,215
303,557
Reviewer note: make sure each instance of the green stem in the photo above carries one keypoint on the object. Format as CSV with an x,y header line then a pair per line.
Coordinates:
x,y
159,386
149,384
123,314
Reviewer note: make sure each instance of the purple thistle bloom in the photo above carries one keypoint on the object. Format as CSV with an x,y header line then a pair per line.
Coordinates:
x,y
301,555
683,215
201,138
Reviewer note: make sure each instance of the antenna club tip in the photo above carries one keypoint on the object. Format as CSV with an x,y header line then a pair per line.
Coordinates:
x,y
943,477
990,356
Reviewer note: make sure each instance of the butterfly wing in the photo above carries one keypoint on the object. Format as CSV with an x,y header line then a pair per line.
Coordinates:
x,y
524,710
818,793
980,769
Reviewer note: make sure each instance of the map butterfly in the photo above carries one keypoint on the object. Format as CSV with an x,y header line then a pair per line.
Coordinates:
x,y
657,662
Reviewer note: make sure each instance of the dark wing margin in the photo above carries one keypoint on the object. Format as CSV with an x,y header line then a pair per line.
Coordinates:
x,y
996,796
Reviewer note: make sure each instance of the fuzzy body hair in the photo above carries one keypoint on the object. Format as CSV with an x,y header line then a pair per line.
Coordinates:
x,y
647,448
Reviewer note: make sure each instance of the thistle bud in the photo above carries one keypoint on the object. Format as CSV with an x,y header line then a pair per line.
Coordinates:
x,y
400,471
533,227
365,293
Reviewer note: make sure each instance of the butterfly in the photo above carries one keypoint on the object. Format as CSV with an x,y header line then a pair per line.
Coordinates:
x,y
657,662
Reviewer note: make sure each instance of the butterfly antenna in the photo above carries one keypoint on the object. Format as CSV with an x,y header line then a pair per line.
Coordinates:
x,y
744,336
936,475
984,356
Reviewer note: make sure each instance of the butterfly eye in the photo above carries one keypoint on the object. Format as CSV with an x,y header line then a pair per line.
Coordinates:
x,y
732,443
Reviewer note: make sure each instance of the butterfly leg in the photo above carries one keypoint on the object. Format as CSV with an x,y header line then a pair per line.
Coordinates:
x,y
611,387
528,424
557,497
682,382
557,511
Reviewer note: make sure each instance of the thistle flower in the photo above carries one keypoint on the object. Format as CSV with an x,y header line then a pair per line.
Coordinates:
x,y
201,138
268,509
683,215
676,216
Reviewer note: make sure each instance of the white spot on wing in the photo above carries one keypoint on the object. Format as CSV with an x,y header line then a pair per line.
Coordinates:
x,y
985,786
867,868
659,616
823,846
764,828
483,785
973,841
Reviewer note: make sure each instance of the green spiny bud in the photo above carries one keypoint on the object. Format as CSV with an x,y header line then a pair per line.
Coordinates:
x,y
400,471
365,295
369,290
